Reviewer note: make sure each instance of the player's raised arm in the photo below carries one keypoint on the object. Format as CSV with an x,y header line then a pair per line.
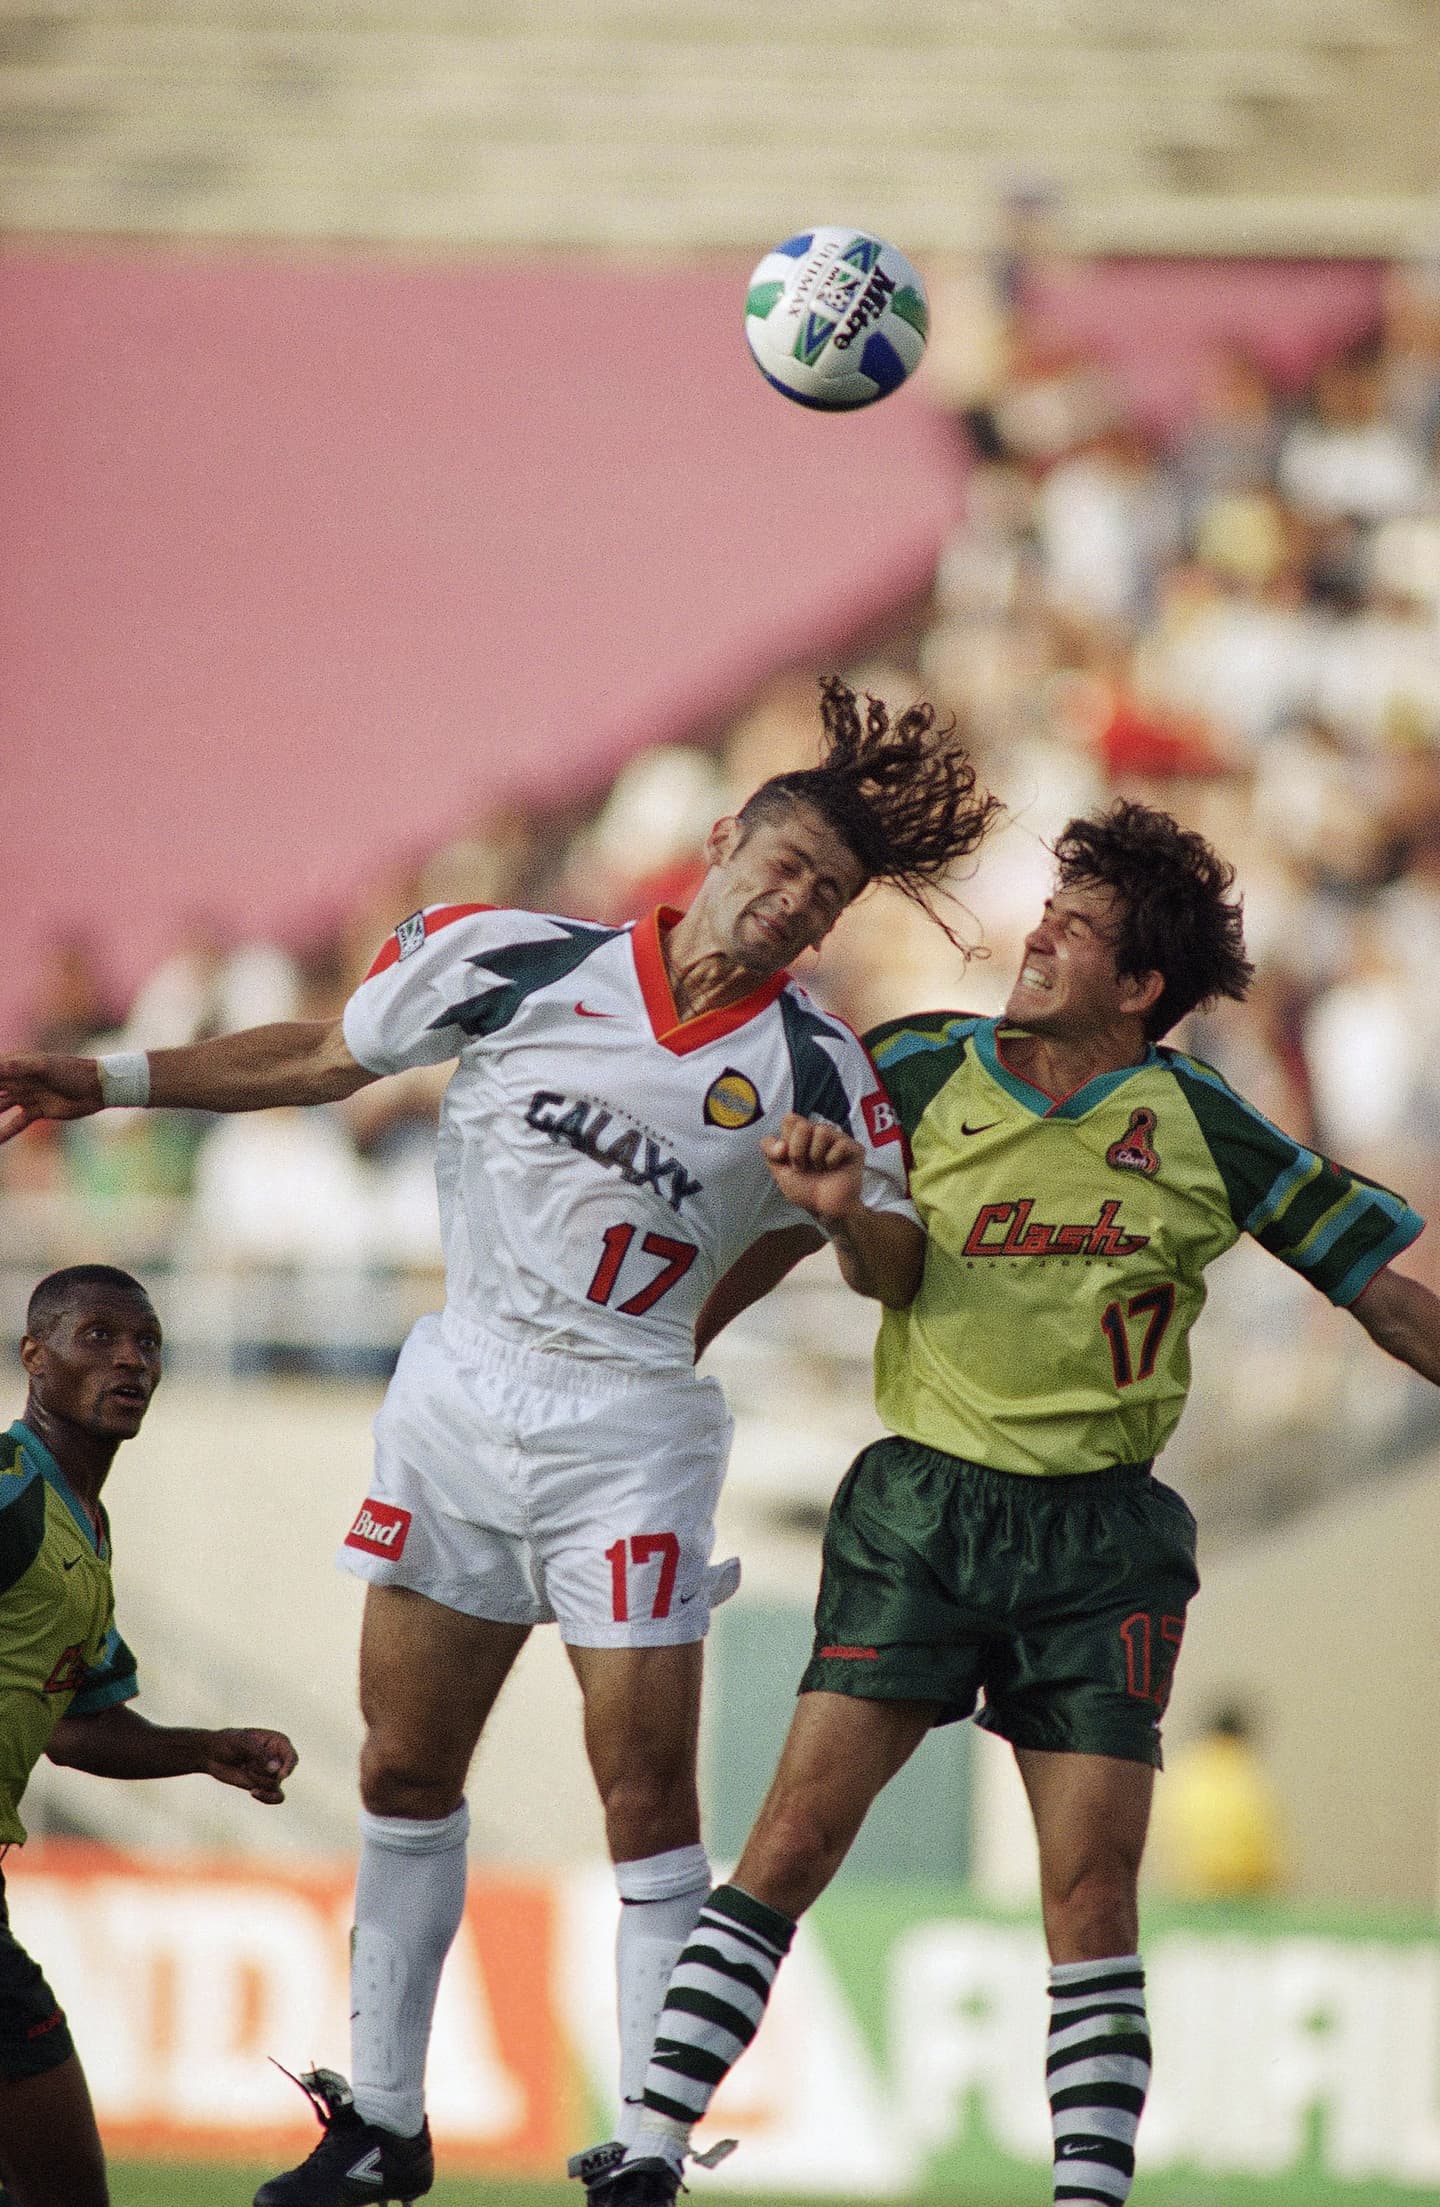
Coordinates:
x,y
292,1062
1401,1315
820,1169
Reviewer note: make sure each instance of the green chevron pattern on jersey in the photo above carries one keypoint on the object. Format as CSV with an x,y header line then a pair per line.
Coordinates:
x,y
523,967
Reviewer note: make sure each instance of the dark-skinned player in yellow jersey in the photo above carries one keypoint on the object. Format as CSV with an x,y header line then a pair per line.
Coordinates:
x,y
92,1353
1008,1543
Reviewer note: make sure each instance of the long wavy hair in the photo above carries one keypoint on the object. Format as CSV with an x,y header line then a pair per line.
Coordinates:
x,y
902,796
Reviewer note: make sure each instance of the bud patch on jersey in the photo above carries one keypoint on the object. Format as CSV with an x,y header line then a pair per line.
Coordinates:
x,y
882,1121
381,1528
636,1156
732,1100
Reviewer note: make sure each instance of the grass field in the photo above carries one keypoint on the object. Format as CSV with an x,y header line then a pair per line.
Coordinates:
x,y
226,2184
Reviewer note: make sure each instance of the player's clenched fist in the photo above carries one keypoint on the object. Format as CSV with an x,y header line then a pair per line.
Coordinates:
x,y
258,1761
34,1088
816,1166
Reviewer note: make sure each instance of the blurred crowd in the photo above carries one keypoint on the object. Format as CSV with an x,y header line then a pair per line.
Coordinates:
x,y
1239,620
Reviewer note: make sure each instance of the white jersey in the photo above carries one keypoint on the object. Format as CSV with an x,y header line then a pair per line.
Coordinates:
x,y
599,1161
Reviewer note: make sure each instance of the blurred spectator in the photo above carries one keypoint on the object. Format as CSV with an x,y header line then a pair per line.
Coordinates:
x,y
1234,651
1343,460
1218,1832
646,846
209,985
490,861
1232,443
1108,523
73,1001
1053,400
1410,360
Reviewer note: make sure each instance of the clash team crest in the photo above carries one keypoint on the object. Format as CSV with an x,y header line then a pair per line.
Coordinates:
x,y
732,1100
1135,1152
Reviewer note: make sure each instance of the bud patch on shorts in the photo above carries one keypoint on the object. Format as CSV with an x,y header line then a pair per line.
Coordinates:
x,y
380,1529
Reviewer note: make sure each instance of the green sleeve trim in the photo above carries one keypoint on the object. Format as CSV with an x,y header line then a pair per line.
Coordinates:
x,y
916,1057
22,1522
1333,1226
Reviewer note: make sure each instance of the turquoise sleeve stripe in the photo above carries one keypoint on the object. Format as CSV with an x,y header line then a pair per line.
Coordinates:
x,y
910,1040
1296,1175
1409,1229
92,1699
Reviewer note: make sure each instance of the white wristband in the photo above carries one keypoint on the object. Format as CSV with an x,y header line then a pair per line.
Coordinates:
x,y
124,1079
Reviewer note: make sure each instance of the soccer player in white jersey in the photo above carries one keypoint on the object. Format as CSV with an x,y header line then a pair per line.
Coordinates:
x,y
546,1451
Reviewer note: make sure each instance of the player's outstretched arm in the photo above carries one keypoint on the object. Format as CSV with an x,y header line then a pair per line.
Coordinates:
x,y
1403,1316
820,1169
293,1062
119,1743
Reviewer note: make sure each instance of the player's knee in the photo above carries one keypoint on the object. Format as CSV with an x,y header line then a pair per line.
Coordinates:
x,y
397,1778
795,1844
651,1810
1095,1909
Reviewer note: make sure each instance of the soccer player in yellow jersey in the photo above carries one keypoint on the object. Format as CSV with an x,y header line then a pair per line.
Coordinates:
x,y
92,1353
1008,1544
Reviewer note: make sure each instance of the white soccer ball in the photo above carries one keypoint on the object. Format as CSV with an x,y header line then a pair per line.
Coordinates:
x,y
836,318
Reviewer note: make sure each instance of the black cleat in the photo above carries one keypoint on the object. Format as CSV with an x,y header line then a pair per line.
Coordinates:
x,y
649,2183
356,2164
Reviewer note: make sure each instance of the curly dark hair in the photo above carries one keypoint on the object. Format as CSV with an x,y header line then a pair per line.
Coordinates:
x,y
1172,891
903,798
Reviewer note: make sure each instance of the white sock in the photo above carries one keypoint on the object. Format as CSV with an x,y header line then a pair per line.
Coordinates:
x,y
409,1899
660,1901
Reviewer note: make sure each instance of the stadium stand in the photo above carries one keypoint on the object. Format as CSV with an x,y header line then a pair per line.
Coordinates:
x,y
1277,125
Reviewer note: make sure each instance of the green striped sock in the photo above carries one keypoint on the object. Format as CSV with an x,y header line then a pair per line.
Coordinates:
x,y
1097,2072
713,2006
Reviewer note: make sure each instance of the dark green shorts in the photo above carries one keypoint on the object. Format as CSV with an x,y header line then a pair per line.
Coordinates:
x,y
1061,1601
34,2035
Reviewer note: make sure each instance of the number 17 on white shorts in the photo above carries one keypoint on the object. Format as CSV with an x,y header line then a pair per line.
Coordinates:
x,y
531,1488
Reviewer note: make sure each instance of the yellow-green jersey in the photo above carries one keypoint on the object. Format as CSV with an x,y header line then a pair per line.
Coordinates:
x,y
59,1649
1068,1239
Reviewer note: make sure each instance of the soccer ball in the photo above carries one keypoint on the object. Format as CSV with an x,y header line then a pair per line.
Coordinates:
x,y
835,318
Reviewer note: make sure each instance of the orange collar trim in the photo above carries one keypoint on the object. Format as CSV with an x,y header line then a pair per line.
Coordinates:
x,y
681,1036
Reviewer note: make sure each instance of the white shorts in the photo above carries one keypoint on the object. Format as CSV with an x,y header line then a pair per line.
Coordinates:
x,y
532,1488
